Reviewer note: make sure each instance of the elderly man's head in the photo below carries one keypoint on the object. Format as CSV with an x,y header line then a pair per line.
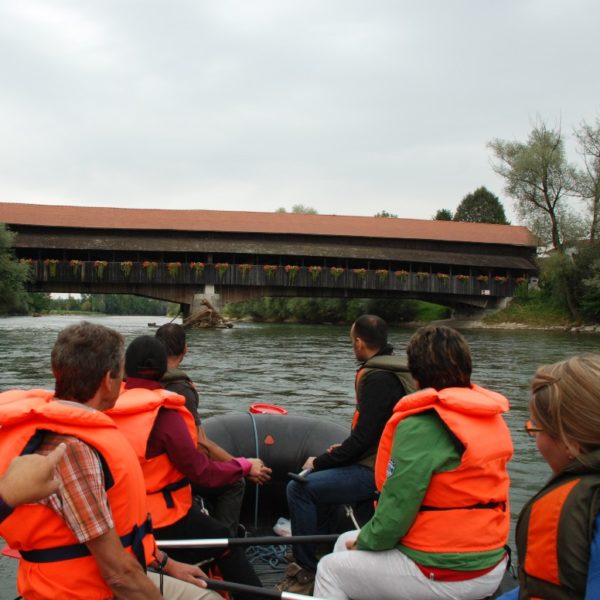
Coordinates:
x,y
82,357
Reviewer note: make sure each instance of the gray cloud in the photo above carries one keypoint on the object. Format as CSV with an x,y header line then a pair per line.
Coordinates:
x,y
347,106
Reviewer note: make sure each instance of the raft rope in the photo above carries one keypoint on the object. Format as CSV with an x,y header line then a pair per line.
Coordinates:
x,y
256,487
273,555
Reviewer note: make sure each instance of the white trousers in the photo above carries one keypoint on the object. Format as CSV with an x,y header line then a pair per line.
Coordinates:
x,y
175,589
361,575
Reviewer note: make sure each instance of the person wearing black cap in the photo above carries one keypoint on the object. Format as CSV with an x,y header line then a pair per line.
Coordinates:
x,y
163,433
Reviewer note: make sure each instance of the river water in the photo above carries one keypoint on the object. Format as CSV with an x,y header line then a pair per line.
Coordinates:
x,y
306,369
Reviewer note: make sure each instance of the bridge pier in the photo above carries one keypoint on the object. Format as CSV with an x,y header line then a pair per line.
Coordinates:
x,y
209,294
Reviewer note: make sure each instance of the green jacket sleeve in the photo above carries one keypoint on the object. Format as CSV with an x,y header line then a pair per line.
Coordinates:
x,y
422,446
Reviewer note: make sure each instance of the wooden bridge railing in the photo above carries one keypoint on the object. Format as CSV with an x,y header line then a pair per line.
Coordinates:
x,y
316,276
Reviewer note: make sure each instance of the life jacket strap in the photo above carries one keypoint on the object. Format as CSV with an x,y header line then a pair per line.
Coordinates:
x,y
492,505
134,539
172,487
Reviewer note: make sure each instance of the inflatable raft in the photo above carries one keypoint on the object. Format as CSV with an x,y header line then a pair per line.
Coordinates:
x,y
283,442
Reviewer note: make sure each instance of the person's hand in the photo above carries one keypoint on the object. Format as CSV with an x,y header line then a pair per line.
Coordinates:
x,y
333,447
309,464
259,474
185,572
31,477
351,544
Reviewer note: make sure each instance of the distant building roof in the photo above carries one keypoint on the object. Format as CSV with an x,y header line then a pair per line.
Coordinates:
x,y
44,215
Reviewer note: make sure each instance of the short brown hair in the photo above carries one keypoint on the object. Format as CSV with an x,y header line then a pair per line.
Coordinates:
x,y
439,357
172,335
372,330
81,357
565,400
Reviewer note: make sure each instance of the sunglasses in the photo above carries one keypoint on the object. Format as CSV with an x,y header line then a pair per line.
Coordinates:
x,y
531,430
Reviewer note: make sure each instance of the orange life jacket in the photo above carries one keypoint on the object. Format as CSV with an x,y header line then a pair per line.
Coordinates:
x,y
554,532
168,491
466,509
54,565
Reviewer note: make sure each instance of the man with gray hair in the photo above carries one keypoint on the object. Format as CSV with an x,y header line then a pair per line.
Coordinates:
x,y
91,538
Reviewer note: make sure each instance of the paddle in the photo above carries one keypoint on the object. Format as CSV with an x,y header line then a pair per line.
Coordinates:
x,y
248,541
228,586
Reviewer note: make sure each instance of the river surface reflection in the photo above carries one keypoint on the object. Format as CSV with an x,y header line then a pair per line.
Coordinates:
x,y
307,369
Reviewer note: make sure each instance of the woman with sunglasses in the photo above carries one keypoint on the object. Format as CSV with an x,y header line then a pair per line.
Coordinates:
x,y
558,539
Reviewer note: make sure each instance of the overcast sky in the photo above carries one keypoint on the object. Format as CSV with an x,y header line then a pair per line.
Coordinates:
x,y
350,107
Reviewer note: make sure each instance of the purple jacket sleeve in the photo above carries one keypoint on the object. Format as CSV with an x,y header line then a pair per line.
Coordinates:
x,y
170,435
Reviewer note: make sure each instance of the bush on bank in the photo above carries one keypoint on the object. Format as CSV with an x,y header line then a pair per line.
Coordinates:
x,y
332,310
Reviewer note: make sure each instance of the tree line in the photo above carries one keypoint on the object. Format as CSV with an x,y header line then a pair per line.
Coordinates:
x,y
109,304
333,310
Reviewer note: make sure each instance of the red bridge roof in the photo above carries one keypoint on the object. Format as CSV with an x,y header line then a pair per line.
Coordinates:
x,y
44,215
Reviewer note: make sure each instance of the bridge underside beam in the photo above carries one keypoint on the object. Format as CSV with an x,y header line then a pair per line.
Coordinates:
x,y
466,303
185,295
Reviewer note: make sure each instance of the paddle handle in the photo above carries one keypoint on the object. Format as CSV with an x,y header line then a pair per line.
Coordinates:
x,y
259,592
248,541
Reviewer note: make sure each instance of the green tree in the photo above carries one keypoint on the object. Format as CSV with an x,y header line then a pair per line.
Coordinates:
x,y
538,177
558,280
38,302
299,209
386,214
572,281
443,214
481,207
588,179
590,297
13,276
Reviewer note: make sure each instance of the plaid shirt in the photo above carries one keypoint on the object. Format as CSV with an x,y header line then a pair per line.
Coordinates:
x,y
81,500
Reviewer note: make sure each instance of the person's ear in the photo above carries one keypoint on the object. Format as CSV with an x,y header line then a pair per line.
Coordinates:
x,y
106,381
573,450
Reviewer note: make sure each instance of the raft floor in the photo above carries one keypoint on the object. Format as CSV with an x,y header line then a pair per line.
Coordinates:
x,y
269,576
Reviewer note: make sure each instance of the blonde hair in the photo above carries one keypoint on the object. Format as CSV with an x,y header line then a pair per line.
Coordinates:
x,y
565,401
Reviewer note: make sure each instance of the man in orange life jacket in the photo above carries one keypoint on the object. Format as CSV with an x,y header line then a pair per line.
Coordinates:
x,y
344,473
225,501
91,539
442,518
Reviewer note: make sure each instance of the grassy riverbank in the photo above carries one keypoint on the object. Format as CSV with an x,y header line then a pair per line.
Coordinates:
x,y
533,310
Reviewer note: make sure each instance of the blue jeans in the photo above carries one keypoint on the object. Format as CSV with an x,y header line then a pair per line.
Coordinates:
x,y
313,503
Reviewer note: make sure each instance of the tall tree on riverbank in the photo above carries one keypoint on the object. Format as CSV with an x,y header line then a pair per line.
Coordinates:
x,y
537,175
481,207
12,276
588,180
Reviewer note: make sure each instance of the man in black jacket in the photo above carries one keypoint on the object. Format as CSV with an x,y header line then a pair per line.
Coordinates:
x,y
344,473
